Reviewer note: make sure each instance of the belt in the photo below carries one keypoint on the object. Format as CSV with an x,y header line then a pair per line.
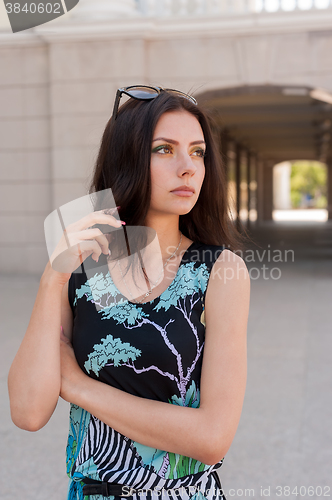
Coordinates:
x,y
92,487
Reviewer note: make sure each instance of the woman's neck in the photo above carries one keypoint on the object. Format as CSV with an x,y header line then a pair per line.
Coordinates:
x,y
168,233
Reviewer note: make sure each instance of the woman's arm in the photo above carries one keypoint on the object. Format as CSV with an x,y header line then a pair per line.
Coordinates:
x,y
203,433
34,377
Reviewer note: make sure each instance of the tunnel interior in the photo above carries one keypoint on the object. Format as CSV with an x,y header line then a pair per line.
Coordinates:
x,y
260,126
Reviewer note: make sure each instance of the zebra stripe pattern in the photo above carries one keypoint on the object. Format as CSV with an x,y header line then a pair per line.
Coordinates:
x,y
117,461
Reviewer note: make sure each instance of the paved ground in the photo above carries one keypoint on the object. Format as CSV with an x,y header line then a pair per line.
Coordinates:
x,y
285,434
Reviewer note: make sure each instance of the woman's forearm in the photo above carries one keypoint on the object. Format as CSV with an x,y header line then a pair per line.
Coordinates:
x,y
183,430
34,377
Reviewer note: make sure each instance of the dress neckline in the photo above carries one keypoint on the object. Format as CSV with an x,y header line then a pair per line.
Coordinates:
x,y
150,302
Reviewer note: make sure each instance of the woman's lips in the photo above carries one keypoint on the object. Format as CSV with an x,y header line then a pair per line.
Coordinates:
x,y
183,191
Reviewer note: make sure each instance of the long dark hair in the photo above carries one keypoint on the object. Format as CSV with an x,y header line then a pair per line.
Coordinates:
x,y
123,165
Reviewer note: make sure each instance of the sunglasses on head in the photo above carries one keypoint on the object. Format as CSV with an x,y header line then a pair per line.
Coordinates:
x,y
144,93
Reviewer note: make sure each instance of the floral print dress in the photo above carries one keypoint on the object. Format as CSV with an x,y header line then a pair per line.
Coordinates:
x,y
152,350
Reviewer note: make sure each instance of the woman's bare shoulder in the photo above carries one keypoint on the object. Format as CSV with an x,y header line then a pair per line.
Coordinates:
x,y
229,267
229,282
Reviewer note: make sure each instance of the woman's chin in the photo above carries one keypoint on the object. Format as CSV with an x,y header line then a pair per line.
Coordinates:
x,y
184,212
180,208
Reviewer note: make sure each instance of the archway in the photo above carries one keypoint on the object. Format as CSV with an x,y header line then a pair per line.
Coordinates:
x,y
260,126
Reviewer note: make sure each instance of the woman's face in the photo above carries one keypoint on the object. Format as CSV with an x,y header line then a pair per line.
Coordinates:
x,y
177,163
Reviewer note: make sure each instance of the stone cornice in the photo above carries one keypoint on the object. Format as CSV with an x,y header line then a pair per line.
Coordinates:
x,y
58,31
26,38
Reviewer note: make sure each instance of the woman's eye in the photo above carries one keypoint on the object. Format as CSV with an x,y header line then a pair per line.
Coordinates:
x,y
162,149
199,152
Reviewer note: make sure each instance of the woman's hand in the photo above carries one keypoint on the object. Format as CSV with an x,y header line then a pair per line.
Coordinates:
x,y
78,241
72,377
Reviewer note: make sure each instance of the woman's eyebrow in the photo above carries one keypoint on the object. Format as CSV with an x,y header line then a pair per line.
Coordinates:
x,y
172,141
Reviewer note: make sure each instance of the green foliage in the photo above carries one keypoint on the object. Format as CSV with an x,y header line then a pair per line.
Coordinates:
x,y
321,202
308,178
296,197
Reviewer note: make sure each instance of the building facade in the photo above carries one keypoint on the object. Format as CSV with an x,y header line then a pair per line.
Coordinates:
x,y
58,82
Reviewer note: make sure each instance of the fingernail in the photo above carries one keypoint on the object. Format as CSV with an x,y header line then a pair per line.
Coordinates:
x,y
123,223
118,206
109,252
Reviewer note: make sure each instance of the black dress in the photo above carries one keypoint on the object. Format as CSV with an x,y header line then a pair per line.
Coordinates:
x,y
152,350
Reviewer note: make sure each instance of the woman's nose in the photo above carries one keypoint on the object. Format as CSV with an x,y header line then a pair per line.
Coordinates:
x,y
186,165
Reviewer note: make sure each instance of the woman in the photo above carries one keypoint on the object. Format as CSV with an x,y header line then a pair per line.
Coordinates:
x,y
127,354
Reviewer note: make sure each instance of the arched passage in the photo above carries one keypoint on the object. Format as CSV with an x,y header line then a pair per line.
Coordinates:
x,y
260,126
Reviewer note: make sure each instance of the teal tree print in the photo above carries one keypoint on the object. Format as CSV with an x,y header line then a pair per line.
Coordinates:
x,y
124,311
100,290
112,352
188,281
192,397
110,349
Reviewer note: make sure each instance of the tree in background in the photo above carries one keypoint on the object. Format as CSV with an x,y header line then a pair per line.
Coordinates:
x,y
308,184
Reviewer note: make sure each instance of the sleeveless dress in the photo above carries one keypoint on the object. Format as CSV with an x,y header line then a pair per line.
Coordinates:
x,y
152,350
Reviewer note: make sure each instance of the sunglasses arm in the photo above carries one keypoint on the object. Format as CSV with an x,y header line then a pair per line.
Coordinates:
x,y
116,105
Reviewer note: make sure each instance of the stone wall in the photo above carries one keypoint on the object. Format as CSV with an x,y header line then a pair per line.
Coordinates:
x,y
25,156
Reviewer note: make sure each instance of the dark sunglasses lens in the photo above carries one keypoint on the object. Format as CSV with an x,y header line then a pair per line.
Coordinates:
x,y
142,92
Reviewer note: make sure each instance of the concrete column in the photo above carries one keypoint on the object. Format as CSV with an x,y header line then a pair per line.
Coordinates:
x,y
329,189
260,189
103,9
224,144
253,186
281,186
248,183
238,178
268,191
183,7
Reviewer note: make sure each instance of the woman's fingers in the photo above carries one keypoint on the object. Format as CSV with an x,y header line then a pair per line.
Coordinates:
x,y
96,234
89,247
99,217
67,259
79,240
